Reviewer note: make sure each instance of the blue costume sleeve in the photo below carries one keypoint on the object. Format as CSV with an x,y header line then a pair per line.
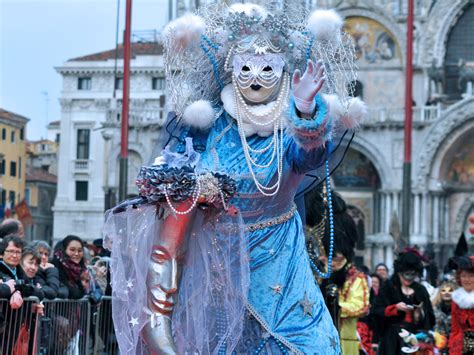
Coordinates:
x,y
309,139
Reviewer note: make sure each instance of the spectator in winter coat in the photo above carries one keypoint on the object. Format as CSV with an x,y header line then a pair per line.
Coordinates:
x,y
69,259
48,274
30,260
11,248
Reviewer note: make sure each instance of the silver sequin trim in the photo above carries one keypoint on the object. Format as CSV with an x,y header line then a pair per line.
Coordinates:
x,y
272,221
265,326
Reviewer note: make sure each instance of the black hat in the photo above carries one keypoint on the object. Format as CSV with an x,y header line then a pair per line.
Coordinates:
x,y
459,263
408,261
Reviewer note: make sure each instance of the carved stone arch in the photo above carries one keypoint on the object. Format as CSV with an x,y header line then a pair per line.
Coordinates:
x,y
456,120
442,19
462,215
115,158
374,155
384,19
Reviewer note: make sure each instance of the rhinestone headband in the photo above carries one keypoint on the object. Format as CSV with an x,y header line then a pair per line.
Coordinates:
x,y
263,34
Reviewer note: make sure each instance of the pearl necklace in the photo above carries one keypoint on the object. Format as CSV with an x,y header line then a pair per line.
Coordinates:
x,y
243,111
196,193
282,96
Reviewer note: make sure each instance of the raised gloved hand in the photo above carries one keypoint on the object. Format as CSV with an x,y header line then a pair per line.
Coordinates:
x,y
307,86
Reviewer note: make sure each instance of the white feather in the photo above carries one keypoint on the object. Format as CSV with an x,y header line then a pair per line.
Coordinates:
x,y
334,106
186,30
325,24
199,114
351,119
355,114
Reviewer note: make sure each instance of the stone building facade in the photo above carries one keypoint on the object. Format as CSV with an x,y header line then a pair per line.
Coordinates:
x,y
370,178
88,168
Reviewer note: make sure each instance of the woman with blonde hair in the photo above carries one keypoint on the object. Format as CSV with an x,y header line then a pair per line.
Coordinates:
x,y
442,309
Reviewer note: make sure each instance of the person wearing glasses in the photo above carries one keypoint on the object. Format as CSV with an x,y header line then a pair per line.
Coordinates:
x,y
11,273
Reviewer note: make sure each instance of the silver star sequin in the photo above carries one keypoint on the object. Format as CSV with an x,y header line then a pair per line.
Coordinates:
x,y
307,305
134,321
130,283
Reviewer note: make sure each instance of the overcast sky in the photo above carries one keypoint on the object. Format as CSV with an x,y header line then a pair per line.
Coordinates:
x,y
38,35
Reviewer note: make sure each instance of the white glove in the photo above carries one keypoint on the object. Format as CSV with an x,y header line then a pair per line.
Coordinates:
x,y
307,86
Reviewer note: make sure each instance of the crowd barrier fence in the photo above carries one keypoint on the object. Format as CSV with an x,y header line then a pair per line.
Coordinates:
x,y
68,327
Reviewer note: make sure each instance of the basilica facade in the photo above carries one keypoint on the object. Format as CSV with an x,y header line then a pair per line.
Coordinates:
x,y
370,177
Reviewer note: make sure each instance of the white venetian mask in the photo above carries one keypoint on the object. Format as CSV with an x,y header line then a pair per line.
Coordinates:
x,y
258,76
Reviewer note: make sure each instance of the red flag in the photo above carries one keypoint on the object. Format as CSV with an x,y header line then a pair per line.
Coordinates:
x,y
8,210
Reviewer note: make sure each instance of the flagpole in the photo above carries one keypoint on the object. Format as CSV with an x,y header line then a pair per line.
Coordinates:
x,y
406,192
125,98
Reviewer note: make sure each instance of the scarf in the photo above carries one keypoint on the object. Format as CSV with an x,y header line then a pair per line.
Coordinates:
x,y
73,271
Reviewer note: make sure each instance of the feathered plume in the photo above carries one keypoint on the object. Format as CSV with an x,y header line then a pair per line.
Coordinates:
x,y
199,114
185,31
325,24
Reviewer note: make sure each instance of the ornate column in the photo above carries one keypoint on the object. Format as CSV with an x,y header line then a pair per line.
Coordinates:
x,y
396,200
435,221
424,214
388,210
416,214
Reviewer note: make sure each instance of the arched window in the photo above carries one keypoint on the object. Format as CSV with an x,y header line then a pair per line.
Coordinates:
x,y
460,47
457,168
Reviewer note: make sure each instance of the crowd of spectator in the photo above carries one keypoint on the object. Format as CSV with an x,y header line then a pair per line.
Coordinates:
x,y
413,312
72,270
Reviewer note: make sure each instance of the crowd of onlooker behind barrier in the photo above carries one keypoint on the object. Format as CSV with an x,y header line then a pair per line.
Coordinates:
x,y
53,300
64,327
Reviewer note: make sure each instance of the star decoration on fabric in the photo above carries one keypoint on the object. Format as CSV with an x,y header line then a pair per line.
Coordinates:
x,y
134,321
277,289
333,343
271,251
307,305
129,283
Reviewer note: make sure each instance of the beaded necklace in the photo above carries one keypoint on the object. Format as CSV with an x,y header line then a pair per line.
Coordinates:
x,y
244,112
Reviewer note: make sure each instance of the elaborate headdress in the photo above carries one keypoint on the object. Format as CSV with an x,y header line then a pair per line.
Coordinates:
x,y
202,45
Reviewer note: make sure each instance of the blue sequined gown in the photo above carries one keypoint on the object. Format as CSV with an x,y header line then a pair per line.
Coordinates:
x,y
280,273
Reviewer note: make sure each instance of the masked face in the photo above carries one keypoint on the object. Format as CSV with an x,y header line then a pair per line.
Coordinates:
x,y
258,77
446,293
407,277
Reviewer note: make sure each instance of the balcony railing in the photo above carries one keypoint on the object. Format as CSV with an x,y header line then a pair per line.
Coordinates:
x,y
81,165
137,117
423,114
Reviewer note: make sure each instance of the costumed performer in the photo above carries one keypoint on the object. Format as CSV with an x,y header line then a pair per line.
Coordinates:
x,y
211,257
346,291
461,340
403,305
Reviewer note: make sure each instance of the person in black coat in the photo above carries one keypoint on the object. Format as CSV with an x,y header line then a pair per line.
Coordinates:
x,y
69,259
11,275
30,261
48,274
403,303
